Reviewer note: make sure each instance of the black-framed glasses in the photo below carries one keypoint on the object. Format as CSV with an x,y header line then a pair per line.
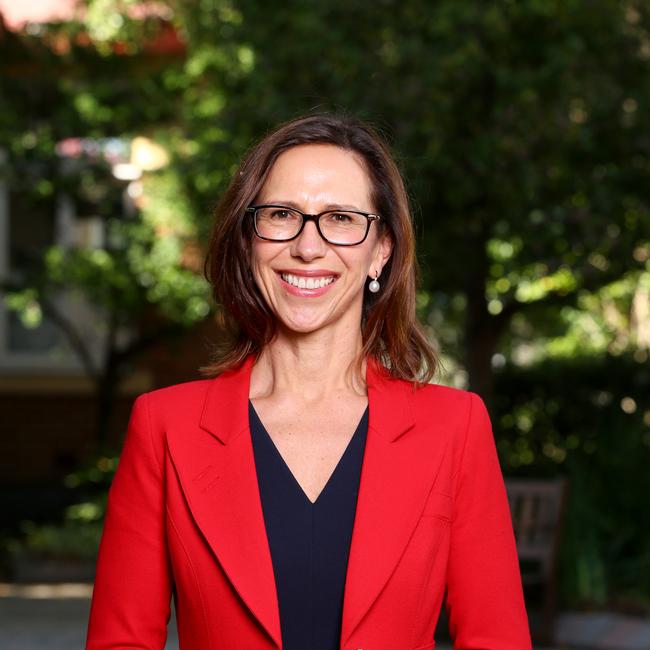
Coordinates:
x,y
339,227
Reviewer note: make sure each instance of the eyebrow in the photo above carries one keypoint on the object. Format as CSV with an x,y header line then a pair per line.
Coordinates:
x,y
328,207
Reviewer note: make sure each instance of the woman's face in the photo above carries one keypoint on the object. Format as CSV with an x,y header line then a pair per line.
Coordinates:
x,y
314,178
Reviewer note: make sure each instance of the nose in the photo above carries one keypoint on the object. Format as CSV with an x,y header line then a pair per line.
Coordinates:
x,y
309,244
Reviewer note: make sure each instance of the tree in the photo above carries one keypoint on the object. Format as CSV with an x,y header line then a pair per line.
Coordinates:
x,y
70,110
522,128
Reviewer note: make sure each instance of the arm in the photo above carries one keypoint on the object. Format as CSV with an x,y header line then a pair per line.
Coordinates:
x,y
485,604
131,598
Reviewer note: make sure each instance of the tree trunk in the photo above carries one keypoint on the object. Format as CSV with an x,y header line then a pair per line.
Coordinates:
x,y
105,400
481,335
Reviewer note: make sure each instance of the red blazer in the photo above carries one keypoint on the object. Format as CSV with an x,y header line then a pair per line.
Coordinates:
x,y
185,518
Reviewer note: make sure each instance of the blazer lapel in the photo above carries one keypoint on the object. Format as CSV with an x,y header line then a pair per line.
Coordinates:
x,y
397,474
218,476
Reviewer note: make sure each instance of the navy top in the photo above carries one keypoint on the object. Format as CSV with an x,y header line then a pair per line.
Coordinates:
x,y
309,543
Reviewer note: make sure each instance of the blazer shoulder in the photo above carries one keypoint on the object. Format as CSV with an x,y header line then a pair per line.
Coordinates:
x,y
441,396
447,405
457,413
176,402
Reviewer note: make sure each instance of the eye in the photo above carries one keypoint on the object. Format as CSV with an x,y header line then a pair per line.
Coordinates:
x,y
340,217
282,213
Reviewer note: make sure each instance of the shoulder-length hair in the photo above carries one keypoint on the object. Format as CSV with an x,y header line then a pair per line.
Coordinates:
x,y
391,332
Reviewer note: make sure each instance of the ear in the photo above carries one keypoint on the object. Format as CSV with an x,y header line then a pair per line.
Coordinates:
x,y
383,251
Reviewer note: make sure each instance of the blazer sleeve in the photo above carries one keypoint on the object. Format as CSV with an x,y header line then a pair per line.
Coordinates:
x,y
485,604
130,605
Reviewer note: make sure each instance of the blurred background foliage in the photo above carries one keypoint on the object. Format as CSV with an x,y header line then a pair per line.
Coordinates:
x,y
523,130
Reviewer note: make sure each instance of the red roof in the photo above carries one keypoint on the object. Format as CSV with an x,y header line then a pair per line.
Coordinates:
x,y
17,14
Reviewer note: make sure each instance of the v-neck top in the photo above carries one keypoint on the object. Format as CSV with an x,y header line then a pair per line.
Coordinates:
x,y
309,542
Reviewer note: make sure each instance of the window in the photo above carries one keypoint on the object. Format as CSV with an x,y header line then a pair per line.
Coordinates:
x,y
29,224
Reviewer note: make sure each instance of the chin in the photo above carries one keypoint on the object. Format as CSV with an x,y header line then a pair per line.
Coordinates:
x,y
302,326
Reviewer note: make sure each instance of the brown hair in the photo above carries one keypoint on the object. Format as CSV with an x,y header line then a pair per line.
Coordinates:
x,y
390,329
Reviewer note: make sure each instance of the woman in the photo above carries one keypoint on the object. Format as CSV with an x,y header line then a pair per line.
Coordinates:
x,y
314,492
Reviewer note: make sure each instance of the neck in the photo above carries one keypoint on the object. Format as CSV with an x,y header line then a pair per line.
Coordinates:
x,y
309,367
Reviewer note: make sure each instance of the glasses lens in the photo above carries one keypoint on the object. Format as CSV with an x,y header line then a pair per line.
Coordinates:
x,y
277,223
343,227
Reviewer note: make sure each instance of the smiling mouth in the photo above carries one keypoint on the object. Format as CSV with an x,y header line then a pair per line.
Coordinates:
x,y
301,282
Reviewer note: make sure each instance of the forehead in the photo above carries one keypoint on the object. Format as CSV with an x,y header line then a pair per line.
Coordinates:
x,y
318,173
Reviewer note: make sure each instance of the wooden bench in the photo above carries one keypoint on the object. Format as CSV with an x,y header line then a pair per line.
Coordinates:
x,y
537,507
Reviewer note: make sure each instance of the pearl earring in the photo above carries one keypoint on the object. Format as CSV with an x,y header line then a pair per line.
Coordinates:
x,y
374,285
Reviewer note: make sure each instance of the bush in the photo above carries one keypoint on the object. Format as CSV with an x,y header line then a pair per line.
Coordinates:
x,y
588,419
78,534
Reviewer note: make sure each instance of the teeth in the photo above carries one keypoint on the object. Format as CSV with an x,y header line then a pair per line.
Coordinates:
x,y
307,283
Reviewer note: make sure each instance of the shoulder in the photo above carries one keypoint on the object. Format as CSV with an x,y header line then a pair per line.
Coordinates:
x,y
461,417
444,399
175,402
458,412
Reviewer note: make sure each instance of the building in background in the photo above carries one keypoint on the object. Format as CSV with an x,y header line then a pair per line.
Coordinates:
x,y
48,397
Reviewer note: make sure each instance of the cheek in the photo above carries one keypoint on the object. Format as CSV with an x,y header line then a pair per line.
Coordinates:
x,y
255,276
262,275
258,261
359,263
